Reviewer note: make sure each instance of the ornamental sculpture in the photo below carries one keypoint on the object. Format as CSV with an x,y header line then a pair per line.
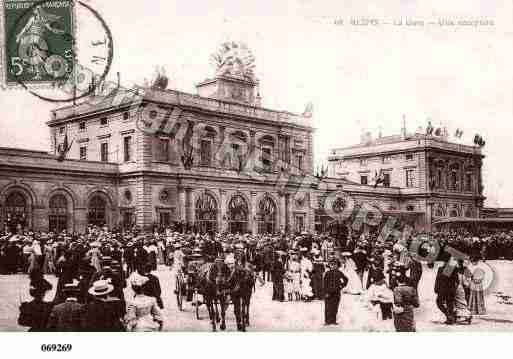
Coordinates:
x,y
234,59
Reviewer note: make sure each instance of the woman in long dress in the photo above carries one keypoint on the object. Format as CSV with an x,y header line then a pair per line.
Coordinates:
x,y
48,264
476,298
354,284
294,272
143,313
460,303
94,254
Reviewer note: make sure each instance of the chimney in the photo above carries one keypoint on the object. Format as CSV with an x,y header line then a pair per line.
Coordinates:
x,y
403,128
258,98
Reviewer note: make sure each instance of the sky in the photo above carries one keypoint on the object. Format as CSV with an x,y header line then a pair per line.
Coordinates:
x,y
358,77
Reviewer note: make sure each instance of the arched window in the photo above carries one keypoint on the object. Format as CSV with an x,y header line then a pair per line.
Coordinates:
x,y
58,214
266,216
97,214
16,211
238,214
206,213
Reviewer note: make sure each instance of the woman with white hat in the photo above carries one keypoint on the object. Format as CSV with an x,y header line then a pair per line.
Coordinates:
x,y
143,313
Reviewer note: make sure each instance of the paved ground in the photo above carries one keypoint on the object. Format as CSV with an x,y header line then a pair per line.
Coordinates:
x,y
268,315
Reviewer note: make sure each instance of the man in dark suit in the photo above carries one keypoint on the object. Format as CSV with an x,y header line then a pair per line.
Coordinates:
x,y
446,283
68,316
34,314
334,281
278,271
105,312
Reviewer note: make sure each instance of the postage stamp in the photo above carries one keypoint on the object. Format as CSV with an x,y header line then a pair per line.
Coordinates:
x,y
38,42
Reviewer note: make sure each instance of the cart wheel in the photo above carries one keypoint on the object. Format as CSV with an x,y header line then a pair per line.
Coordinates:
x,y
179,297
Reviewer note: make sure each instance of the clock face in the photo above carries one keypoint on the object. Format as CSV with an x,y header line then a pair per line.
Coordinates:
x,y
72,55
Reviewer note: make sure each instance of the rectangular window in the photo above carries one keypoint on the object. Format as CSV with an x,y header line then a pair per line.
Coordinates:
x,y
206,152
103,121
410,178
363,162
363,179
82,126
409,157
104,152
468,182
83,153
299,161
61,130
163,150
266,158
386,179
235,156
127,148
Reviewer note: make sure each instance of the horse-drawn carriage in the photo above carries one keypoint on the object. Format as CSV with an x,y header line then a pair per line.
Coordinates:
x,y
217,285
187,283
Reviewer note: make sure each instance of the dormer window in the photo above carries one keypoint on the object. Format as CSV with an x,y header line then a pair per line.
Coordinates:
x,y
103,121
82,126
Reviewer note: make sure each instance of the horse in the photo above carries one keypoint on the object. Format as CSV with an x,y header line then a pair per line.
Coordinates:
x,y
213,279
241,285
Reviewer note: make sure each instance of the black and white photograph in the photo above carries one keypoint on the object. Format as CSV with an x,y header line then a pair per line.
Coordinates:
x,y
262,166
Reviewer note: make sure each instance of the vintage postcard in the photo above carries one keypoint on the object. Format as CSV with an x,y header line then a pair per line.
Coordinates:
x,y
296,166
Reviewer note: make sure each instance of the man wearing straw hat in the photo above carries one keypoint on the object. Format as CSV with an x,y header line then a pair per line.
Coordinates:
x,y
104,313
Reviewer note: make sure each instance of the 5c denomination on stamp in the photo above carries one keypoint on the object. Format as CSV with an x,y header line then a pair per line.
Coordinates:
x,y
37,47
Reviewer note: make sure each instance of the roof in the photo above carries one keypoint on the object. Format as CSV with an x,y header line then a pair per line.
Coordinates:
x,y
473,220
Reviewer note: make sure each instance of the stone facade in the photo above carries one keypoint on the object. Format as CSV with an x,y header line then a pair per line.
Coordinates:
x,y
431,174
218,160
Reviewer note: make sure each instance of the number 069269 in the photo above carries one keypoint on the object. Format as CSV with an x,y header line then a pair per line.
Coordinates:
x,y
56,347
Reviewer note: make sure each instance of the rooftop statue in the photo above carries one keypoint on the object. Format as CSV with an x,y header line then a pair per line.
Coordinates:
x,y
159,81
234,59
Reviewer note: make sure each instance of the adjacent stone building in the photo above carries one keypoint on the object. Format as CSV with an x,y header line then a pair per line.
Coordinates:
x,y
433,177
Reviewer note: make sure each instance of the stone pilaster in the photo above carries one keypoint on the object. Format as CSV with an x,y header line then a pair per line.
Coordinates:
x,y
253,224
144,150
40,218
310,214
252,152
222,211
80,219
144,210
189,206
289,214
282,220
218,157
181,204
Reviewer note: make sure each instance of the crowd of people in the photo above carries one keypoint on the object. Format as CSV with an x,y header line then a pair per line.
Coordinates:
x,y
94,269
